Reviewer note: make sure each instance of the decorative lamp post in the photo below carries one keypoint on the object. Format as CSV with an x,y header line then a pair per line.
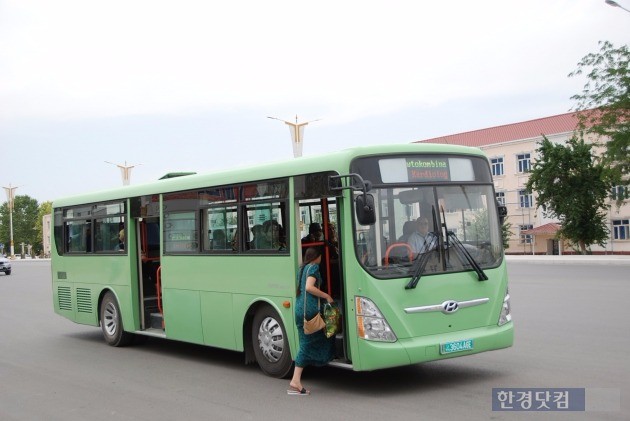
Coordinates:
x,y
297,134
10,198
125,171
615,4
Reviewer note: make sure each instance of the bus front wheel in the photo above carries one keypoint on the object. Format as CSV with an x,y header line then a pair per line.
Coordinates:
x,y
271,346
111,322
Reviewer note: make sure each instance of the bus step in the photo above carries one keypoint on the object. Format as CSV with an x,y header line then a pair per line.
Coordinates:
x,y
156,321
339,352
341,364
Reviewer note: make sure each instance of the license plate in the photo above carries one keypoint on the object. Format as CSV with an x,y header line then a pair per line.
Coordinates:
x,y
456,346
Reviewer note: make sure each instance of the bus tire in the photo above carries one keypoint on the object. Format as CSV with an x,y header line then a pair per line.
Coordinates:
x,y
111,322
270,343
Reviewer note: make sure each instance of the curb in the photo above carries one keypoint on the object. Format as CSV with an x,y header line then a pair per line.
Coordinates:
x,y
571,260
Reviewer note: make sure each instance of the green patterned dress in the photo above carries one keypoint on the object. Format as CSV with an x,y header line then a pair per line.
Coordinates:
x,y
316,348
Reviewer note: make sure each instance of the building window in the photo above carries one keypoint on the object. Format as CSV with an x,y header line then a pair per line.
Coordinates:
x,y
525,200
619,193
621,229
525,238
524,162
497,166
500,195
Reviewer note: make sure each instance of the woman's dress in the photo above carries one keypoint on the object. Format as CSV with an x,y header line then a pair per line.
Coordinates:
x,y
316,348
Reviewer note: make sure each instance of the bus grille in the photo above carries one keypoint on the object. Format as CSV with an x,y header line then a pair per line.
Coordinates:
x,y
84,300
64,297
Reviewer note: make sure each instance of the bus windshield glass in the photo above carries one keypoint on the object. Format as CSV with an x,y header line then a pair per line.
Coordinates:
x,y
443,217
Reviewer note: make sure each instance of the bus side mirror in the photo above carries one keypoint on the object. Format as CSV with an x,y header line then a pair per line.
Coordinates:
x,y
502,213
366,214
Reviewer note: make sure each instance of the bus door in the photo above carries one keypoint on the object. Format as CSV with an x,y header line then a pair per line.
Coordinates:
x,y
151,313
145,214
318,228
318,225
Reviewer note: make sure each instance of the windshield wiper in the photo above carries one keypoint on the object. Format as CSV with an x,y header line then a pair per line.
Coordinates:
x,y
422,260
471,260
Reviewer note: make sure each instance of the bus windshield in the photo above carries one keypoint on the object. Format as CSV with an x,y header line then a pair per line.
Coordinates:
x,y
455,227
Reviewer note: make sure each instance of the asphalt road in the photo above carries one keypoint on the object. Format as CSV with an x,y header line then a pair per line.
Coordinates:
x,y
571,331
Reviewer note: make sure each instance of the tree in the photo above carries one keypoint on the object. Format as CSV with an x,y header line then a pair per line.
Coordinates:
x,y
604,105
24,220
571,186
44,209
506,233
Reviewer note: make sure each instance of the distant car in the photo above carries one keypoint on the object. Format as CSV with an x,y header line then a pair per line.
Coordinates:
x,y
5,265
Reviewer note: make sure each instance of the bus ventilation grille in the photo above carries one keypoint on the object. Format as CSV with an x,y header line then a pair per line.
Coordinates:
x,y
84,300
64,297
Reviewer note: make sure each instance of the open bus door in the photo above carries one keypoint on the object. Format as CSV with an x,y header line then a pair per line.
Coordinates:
x,y
149,271
323,212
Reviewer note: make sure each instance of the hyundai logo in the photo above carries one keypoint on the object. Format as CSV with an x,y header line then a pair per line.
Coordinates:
x,y
450,306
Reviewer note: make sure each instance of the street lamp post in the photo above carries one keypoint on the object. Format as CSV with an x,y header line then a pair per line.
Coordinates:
x,y
10,198
615,4
297,134
125,171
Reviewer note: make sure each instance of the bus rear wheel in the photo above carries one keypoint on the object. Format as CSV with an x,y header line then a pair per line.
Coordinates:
x,y
111,322
271,346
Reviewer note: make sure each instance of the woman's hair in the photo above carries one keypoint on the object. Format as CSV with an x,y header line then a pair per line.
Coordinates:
x,y
312,253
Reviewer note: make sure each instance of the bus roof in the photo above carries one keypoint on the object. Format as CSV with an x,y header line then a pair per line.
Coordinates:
x,y
335,161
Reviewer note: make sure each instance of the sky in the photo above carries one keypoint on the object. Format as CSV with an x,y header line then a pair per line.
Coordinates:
x,y
188,85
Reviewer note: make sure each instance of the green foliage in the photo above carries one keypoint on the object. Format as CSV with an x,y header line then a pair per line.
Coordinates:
x,y
604,105
25,211
506,233
572,187
479,229
44,209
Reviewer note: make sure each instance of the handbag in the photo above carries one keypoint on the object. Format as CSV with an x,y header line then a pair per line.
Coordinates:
x,y
316,323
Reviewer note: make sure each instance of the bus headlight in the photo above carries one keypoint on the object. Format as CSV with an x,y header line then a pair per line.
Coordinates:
x,y
371,324
505,315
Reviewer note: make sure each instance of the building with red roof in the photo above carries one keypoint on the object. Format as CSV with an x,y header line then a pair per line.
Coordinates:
x,y
510,149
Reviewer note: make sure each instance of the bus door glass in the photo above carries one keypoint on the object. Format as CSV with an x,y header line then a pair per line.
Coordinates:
x,y
317,222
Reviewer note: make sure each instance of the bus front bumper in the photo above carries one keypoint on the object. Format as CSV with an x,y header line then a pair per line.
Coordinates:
x,y
377,355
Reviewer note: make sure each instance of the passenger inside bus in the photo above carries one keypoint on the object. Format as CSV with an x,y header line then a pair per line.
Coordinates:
x,y
256,237
272,236
121,237
219,240
332,241
234,242
314,233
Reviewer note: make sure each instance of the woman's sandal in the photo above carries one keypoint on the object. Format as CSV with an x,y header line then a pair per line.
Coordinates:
x,y
296,391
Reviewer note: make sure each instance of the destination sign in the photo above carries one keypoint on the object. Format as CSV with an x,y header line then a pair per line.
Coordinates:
x,y
428,169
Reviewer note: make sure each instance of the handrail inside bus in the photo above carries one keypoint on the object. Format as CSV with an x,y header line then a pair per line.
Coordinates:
x,y
158,287
396,245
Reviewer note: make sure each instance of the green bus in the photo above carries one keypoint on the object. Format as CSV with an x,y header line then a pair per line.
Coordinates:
x,y
212,259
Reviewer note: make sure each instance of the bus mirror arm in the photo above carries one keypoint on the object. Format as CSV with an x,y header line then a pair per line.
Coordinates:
x,y
364,204
335,183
